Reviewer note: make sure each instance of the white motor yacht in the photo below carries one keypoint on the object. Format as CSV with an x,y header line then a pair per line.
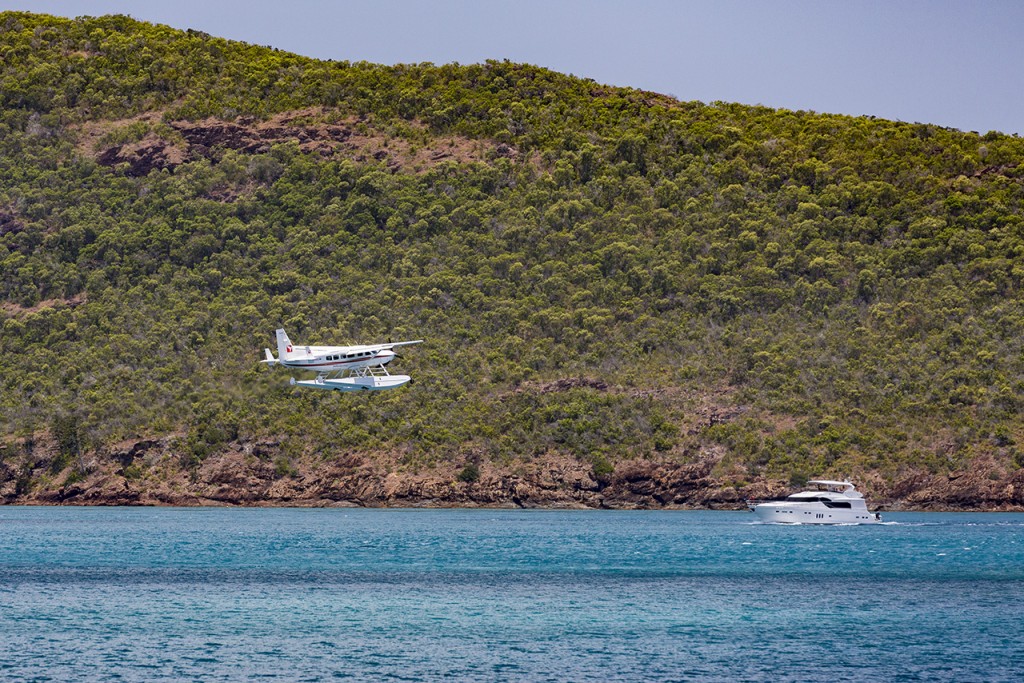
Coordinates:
x,y
830,502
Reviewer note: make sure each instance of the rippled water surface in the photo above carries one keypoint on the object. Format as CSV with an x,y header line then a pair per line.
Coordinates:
x,y
493,595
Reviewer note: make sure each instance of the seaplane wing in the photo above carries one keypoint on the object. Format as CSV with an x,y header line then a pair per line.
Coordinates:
x,y
391,345
342,368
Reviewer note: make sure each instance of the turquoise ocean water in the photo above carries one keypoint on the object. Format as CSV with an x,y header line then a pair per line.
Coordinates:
x,y
143,594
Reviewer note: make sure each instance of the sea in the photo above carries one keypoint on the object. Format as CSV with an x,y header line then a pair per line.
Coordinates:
x,y
216,594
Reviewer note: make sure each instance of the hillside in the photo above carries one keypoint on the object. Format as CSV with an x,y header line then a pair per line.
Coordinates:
x,y
628,300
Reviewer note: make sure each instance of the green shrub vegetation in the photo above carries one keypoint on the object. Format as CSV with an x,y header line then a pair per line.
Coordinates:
x,y
847,289
469,473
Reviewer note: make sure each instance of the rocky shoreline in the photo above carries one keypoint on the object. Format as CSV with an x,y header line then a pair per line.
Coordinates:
x,y
149,472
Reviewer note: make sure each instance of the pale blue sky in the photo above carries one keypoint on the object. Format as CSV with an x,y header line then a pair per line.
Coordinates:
x,y
957,64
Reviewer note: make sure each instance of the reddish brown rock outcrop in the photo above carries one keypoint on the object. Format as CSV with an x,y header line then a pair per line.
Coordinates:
x,y
153,472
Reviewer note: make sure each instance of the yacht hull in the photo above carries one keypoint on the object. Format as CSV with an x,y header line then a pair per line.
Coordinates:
x,y
783,513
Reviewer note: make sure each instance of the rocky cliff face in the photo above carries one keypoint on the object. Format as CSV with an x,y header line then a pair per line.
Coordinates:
x,y
150,472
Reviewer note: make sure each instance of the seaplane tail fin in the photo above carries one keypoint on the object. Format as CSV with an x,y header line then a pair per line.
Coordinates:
x,y
284,345
270,358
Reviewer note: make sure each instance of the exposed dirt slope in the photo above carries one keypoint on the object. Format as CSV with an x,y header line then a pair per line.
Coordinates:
x,y
316,131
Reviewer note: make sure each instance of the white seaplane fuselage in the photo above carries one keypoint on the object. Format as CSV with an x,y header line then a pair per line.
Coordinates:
x,y
355,368
335,358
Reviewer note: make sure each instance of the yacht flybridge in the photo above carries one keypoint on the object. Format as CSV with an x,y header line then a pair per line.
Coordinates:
x,y
829,502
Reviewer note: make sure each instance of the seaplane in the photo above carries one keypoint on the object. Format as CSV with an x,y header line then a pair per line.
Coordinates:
x,y
340,368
